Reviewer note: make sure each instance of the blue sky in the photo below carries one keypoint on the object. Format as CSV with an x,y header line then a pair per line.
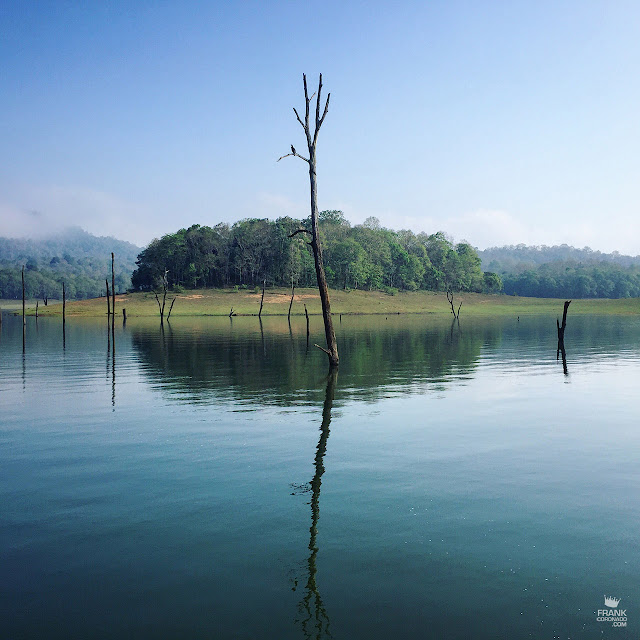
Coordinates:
x,y
497,122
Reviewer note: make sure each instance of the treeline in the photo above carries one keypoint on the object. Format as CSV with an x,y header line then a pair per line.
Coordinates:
x,y
364,256
575,280
77,258
562,271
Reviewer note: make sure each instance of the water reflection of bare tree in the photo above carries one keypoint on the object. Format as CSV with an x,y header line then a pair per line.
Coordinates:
x,y
314,618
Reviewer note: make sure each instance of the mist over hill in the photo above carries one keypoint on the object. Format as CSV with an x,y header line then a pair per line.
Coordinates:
x,y
520,257
79,259
82,261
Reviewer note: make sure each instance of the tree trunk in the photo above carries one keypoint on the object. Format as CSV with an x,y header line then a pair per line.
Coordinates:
x,y
106,281
330,335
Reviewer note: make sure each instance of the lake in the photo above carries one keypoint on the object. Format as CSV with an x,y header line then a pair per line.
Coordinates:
x,y
211,479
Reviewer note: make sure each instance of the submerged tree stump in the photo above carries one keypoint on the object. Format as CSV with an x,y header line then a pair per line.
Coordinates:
x,y
561,328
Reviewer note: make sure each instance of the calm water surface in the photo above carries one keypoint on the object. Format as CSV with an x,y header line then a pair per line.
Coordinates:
x,y
211,480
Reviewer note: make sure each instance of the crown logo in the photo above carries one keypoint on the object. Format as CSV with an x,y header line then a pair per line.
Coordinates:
x,y
610,601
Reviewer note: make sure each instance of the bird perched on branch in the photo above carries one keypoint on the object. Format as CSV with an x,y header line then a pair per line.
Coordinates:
x,y
293,150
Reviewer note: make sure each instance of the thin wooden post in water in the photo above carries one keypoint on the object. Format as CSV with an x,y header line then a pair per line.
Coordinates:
x,y
37,309
124,315
293,289
106,281
24,320
264,282
64,317
113,284
113,291
306,313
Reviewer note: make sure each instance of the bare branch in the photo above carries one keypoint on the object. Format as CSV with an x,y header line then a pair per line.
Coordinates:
x,y
318,103
323,349
297,155
295,233
319,122
326,108
306,102
297,116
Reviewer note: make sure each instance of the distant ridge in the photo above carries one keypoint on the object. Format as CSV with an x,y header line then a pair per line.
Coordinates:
x,y
73,256
520,257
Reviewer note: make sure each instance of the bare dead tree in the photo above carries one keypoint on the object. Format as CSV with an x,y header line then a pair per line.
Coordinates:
x,y
264,283
312,139
164,296
106,281
293,290
456,315
561,328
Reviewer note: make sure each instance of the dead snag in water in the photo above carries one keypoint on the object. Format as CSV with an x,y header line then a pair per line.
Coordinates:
x,y
106,281
293,290
456,315
264,282
164,296
24,320
312,139
561,328
113,291
306,313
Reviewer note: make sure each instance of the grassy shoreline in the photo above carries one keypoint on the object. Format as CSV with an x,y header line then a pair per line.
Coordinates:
x,y
219,302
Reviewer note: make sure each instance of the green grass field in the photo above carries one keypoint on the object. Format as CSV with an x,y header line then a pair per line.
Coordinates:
x,y
219,302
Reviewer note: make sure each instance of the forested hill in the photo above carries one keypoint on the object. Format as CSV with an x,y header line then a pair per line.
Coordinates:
x,y
364,256
563,271
79,259
368,256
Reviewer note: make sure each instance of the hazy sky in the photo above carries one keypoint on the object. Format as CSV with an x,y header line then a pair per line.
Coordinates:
x,y
497,122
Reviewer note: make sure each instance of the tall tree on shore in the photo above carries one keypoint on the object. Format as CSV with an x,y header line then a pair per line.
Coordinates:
x,y
332,347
